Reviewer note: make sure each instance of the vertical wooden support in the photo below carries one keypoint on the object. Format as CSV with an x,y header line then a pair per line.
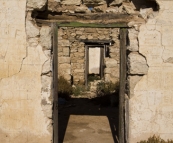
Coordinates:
x,y
126,118
102,62
123,34
55,83
86,65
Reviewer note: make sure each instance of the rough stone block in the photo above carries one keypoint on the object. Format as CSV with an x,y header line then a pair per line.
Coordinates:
x,y
108,78
114,49
47,67
133,47
94,2
79,32
63,60
82,9
129,8
146,12
137,64
66,51
64,43
132,81
114,72
110,63
133,42
81,50
67,77
112,10
101,8
65,66
45,37
71,2
54,5
90,30
79,70
31,30
115,2
79,55
36,4
60,54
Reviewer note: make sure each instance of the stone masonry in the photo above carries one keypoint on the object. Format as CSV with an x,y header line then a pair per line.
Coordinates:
x,y
26,82
71,52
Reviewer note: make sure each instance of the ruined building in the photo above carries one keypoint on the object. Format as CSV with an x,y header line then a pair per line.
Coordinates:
x,y
42,39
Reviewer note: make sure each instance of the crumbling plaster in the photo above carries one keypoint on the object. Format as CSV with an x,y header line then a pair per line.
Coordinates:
x,y
151,106
25,109
26,75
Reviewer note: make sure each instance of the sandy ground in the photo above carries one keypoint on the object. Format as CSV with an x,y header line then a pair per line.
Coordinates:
x,y
83,120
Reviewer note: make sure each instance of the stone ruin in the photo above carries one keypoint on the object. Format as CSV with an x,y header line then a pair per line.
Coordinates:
x,y
26,57
71,53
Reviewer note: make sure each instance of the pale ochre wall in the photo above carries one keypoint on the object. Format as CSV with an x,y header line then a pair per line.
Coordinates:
x,y
21,116
151,107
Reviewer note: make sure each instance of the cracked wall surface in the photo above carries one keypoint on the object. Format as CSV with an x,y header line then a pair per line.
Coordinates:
x,y
151,103
26,71
25,110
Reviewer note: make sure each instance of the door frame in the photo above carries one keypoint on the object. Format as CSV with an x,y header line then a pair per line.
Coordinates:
x,y
123,120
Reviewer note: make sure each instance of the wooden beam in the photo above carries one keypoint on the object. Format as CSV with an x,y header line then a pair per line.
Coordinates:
x,y
92,25
96,41
86,65
126,119
86,17
92,20
123,35
55,84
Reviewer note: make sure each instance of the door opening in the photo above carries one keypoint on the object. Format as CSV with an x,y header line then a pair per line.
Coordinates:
x,y
73,113
94,61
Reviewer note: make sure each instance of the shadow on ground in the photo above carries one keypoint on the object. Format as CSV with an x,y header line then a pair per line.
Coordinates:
x,y
91,107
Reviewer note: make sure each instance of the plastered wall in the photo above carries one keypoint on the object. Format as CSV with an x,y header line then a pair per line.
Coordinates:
x,y
25,110
26,75
151,105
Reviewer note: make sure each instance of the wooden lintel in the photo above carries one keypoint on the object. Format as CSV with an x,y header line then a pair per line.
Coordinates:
x,y
92,25
91,41
91,20
81,24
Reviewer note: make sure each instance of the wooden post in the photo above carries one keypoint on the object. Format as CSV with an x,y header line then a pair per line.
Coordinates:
x,y
55,83
102,62
123,34
86,66
126,118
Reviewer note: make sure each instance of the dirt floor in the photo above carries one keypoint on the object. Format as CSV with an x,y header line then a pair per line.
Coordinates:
x,y
83,120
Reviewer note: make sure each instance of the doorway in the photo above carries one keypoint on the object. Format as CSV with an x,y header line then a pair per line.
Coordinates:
x,y
102,52
95,53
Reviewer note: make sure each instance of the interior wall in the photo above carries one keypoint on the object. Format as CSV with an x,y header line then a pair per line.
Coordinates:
x,y
71,52
151,105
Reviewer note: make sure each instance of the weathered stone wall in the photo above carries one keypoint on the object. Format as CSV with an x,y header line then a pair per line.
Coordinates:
x,y
90,6
26,70
25,75
151,78
71,52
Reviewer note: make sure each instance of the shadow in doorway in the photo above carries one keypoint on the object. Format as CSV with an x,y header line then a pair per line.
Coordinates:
x,y
99,106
